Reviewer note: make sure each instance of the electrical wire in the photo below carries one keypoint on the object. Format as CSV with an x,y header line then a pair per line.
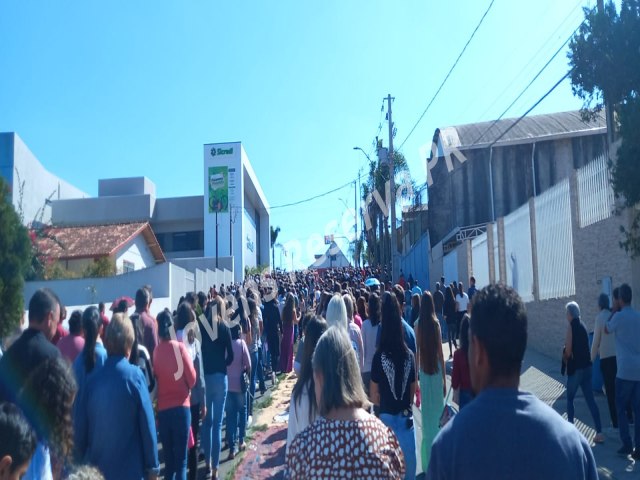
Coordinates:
x,y
448,75
493,124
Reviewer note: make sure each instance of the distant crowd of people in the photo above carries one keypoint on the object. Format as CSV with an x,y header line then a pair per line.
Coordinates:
x,y
94,401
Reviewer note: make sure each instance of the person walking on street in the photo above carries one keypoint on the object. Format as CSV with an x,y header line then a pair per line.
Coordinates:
x,y
506,432
578,360
625,325
450,317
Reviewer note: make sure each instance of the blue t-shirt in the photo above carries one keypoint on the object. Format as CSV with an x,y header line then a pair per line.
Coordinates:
x,y
625,324
506,433
409,336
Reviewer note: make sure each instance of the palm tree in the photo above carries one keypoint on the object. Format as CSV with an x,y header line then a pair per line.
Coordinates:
x,y
274,238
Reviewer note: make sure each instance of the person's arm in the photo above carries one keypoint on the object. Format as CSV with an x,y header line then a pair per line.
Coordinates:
x,y
443,367
597,335
568,346
246,358
147,427
189,369
360,348
228,346
374,393
412,391
611,324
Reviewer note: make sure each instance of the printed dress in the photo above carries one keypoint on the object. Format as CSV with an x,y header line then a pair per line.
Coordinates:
x,y
357,449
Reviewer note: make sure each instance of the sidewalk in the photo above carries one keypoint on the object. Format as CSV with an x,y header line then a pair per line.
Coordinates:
x,y
541,376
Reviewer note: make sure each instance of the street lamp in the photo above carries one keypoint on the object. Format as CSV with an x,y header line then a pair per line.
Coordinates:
x,y
365,153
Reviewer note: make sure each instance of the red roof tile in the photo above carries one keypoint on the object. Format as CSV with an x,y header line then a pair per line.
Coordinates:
x,y
94,241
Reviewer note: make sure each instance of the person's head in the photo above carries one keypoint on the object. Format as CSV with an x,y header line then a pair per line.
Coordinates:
x,y
464,334
120,336
191,298
616,298
143,299
202,300
460,288
415,301
44,312
75,323
398,291
235,332
337,312
185,315
315,326
91,325
603,301
348,303
472,281
392,334
573,311
101,307
17,442
437,286
165,322
47,399
217,309
288,311
362,307
625,295
498,337
448,294
428,335
374,309
336,373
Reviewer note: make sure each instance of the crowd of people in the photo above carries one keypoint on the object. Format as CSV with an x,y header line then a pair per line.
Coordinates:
x,y
99,399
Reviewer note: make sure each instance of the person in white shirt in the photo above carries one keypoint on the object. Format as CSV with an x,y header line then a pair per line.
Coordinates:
x,y
303,409
462,304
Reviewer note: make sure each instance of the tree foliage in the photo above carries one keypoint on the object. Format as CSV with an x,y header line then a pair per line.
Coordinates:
x,y
605,59
15,258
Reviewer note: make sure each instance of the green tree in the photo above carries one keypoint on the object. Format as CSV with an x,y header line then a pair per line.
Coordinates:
x,y
605,60
15,258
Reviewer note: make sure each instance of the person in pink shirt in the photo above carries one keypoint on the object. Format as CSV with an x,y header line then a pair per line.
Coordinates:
x,y
71,345
236,407
176,376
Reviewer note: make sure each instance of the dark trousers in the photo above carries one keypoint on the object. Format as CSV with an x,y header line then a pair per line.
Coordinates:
x,y
173,428
260,371
452,334
609,368
192,459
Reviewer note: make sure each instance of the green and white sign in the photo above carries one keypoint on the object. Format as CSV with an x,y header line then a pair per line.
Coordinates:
x,y
218,189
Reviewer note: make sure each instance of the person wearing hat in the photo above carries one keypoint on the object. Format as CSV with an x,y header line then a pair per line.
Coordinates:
x,y
176,376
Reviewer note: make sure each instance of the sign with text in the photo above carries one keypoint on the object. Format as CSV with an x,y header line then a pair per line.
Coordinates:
x,y
218,189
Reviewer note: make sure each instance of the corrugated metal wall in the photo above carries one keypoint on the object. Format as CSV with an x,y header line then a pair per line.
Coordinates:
x,y
554,239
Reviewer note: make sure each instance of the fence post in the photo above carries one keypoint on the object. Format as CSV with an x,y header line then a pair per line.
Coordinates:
x,y
534,249
491,253
502,260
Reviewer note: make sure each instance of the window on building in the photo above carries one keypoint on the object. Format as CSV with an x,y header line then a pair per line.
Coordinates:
x,y
128,266
181,241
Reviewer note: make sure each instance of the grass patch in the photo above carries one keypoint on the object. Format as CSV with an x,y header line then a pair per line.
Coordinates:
x,y
261,428
267,402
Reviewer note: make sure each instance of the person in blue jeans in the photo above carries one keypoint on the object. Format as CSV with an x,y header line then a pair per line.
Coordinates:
x,y
577,356
236,407
393,381
217,354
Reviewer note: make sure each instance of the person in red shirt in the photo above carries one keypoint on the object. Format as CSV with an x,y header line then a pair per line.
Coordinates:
x,y
460,377
71,345
176,377
104,319
60,331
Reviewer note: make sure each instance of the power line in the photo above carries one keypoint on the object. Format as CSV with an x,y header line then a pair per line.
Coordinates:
x,y
448,74
493,124
533,57
320,195
530,109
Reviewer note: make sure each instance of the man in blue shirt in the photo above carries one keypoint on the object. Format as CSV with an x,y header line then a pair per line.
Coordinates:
x,y
625,324
505,432
115,428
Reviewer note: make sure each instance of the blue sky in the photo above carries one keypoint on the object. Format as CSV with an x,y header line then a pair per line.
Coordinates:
x,y
126,88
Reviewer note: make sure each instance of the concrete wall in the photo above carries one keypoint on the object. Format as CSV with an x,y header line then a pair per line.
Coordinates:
x,y
103,210
116,187
90,291
137,252
19,164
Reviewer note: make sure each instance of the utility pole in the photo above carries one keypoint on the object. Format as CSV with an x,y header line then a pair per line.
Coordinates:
x,y
355,215
216,237
392,179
